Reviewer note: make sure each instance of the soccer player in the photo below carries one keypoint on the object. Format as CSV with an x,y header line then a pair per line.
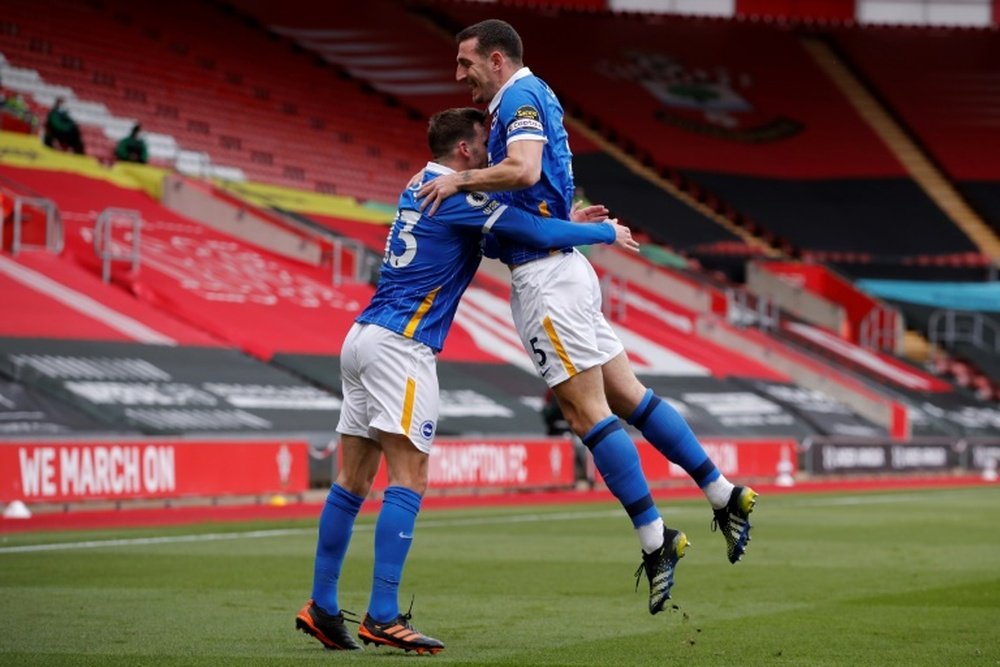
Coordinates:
x,y
556,305
390,387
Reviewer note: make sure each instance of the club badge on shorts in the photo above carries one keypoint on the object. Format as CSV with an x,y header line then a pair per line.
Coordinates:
x,y
427,430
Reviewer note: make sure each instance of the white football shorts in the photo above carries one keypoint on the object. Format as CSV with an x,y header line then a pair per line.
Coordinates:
x,y
390,384
556,304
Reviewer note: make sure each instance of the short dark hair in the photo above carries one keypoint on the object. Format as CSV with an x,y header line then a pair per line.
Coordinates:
x,y
494,34
447,128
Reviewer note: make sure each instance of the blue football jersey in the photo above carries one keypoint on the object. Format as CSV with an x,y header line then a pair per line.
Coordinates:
x,y
526,109
427,265
430,261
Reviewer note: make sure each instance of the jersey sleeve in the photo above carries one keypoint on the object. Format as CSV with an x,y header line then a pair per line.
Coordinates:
x,y
468,209
538,232
521,113
491,247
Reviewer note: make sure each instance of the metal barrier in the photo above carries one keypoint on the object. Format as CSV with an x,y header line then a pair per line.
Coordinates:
x,y
947,327
881,329
365,261
104,246
53,222
744,309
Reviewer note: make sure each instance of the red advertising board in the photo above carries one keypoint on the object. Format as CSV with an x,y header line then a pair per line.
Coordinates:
x,y
497,464
736,458
64,471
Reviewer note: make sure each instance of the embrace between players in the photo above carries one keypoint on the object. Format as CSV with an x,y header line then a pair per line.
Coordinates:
x,y
518,209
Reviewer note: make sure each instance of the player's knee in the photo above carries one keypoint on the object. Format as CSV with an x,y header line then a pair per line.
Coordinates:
x,y
624,397
410,473
415,483
355,482
583,417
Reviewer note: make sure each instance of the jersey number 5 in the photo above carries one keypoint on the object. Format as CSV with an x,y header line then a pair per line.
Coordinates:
x,y
539,354
405,236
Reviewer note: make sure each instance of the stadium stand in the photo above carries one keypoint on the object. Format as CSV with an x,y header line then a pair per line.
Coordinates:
x,y
713,106
82,355
183,73
961,323
813,357
711,146
248,297
408,57
214,281
940,82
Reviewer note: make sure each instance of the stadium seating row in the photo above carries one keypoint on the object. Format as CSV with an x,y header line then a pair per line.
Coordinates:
x,y
298,124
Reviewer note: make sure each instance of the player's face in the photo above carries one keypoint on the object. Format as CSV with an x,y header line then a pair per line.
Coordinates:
x,y
475,71
478,151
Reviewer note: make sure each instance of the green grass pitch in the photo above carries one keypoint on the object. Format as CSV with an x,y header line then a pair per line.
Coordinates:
x,y
889,578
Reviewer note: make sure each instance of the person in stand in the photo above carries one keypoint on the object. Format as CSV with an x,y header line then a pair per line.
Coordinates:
x,y
132,148
15,114
556,305
61,131
390,387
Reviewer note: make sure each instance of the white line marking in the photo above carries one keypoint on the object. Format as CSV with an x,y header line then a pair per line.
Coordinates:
x,y
283,532
83,304
141,541
422,524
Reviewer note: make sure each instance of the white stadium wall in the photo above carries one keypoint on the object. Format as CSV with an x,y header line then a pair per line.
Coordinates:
x,y
970,13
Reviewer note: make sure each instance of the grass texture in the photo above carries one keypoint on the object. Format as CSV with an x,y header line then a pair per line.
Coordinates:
x,y
887,578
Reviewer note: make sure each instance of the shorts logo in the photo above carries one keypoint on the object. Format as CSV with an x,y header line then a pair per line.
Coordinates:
x,y
527,111
476,199
427,429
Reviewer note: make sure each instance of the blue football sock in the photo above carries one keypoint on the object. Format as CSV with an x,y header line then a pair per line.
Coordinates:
x,y
618,461
666,430
336,524
393,537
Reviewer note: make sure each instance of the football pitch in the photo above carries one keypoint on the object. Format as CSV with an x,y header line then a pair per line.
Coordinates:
x,y
881,578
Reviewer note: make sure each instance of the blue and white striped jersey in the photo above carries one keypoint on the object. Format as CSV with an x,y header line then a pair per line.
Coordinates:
x,y
430,261
526,109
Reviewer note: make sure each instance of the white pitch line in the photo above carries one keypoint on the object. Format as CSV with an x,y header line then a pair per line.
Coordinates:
x,y
140,541
256,534
439,523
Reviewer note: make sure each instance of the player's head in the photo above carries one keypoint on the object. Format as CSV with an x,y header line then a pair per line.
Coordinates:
x,y
457,138
489,52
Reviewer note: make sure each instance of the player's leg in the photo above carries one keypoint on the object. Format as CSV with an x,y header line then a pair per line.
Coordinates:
x,y
384,623
322,617
394,528
361,457
582,400
669,433
404,377
555,303
553,306
663,427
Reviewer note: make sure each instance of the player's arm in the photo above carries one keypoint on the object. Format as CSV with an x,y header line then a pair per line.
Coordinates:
x,y
538,232
520,169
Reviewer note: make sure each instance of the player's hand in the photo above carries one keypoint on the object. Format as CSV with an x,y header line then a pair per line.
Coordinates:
x,y
592,213
435,191
623,236
416,180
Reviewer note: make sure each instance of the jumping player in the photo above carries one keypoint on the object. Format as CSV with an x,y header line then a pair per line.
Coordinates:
x,y
556,305
390,386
